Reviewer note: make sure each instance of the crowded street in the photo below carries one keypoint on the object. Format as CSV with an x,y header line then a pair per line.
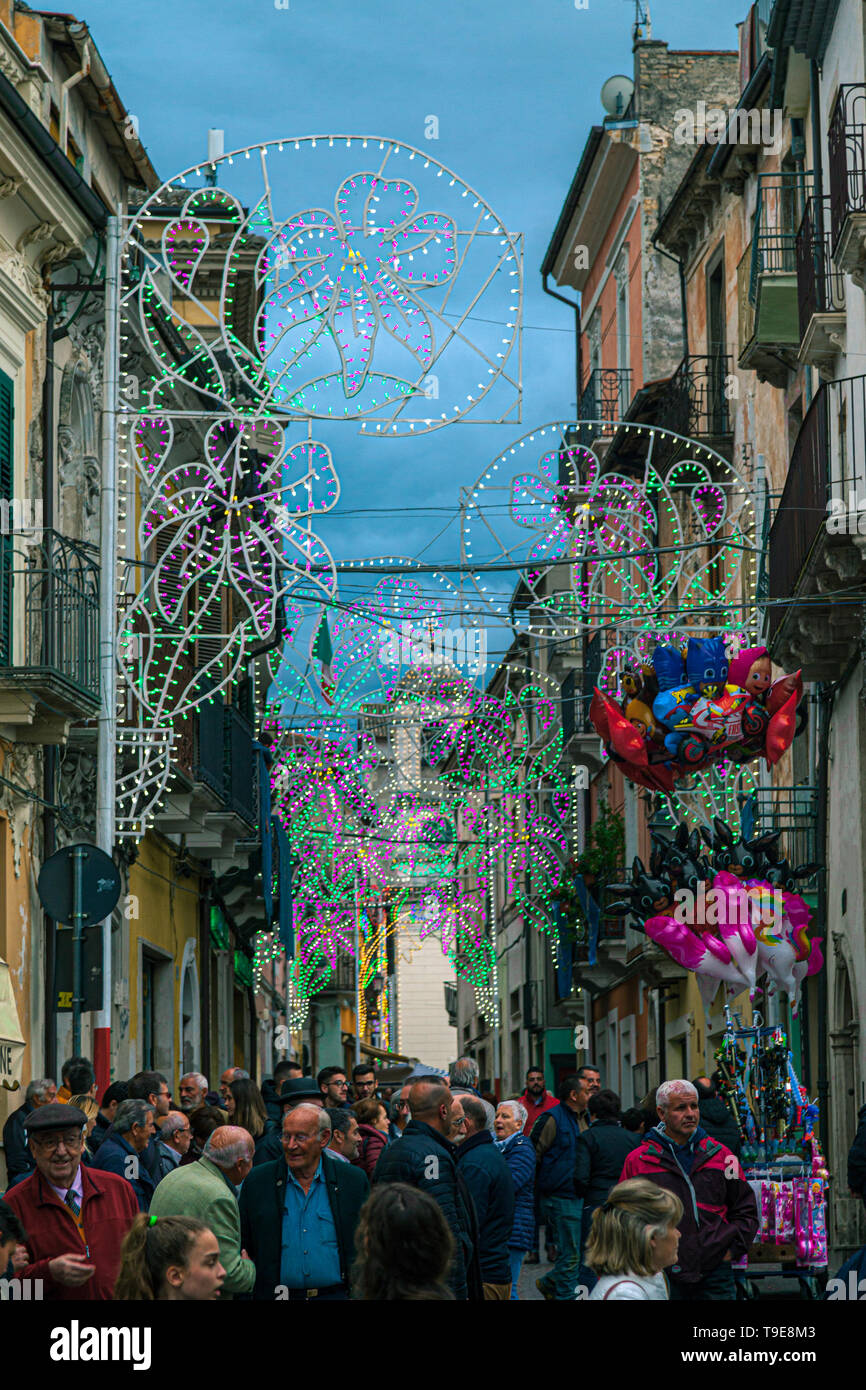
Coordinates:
x,y
432,665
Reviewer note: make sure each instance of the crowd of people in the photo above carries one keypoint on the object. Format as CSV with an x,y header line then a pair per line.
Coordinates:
x,y
334,1188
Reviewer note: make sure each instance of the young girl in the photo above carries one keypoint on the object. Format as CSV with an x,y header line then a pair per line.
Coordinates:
x,y
169,1258
633,1238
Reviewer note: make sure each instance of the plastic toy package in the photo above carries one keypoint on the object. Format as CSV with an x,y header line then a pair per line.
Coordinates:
x,y
781,1155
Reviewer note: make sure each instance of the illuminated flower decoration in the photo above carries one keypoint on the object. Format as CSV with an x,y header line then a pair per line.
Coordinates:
x,y
603,545
351,274
212,522
342,310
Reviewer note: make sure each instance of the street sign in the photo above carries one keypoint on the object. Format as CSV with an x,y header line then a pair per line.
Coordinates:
x,y
91,970
100,884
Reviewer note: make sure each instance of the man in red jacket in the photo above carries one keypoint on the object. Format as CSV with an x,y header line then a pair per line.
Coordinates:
x,y
720,1215
535,1099
75,1217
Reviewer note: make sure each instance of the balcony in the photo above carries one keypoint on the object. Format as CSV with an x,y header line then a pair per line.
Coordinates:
x,y
606,395
213,797
794,811
817,550
820,290
694,404
846,148
49,635
767,279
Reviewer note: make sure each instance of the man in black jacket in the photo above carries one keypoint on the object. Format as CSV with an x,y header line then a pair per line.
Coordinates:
x,y
299,1214
599,1154
426,1158
715,1116
487,1175
19,1160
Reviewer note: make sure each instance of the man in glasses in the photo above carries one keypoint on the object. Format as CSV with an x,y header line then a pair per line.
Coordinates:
x,y
75,1217
334,1087
307,1254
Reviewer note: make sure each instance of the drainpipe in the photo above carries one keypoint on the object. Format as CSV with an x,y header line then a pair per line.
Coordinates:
x,y
49,757
554,294
817,151
73,81
107,724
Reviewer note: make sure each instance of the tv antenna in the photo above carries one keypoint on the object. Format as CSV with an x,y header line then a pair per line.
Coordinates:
x,y
642,20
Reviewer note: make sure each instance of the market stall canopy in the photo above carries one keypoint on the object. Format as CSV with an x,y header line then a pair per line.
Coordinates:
x,y
12,1043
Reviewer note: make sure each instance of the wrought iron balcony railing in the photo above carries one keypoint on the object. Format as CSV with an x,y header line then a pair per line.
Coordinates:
x,y
846,148
209,749
49,619
606,395
794,811
240,765
778,213
802,508
820,286
695,403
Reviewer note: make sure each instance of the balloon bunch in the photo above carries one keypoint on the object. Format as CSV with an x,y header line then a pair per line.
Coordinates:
x,y
688,709
730,917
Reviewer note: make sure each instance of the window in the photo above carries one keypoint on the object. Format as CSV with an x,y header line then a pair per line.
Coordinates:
x,y
148,992
623,355
515,1059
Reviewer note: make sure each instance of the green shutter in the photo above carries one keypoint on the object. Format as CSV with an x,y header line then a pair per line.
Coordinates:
x,y
7,468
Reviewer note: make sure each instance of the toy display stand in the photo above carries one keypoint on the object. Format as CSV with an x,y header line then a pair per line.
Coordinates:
x,y
780,1156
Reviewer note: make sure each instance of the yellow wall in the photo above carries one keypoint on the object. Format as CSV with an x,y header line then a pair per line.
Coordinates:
x,y
168,917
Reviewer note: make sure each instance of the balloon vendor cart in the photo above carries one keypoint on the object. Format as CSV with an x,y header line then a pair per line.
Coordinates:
x,y
781,1156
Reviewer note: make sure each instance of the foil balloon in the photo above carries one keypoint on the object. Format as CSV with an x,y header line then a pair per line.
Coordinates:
x,y
703,954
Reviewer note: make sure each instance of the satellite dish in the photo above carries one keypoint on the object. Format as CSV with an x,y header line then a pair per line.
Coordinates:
x,y
616,94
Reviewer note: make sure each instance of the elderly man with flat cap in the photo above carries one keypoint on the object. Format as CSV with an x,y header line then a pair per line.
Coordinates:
x,y
75,1218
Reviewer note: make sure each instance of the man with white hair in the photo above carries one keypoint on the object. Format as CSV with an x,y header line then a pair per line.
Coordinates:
x,y
300,1212
208,1189
192,1091
720,1215
19,1160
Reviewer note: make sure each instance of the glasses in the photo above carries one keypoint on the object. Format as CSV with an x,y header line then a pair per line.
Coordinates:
x,y
299,1138
341,1085
458,1119
51,1142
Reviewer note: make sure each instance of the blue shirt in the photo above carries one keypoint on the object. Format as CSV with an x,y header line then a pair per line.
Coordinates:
x,y
310,1256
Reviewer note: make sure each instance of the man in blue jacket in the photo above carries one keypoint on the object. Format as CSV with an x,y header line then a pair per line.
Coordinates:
x,y
121,1150
489,1180
555,1139
425,1157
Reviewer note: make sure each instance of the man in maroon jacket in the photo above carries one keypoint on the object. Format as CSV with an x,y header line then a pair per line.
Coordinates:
x,y
535,1099
75,1217
720,1216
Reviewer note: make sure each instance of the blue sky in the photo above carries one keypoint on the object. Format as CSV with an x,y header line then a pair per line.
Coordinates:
x,y
515,87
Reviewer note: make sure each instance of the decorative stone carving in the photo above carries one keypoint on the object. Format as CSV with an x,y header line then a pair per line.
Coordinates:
x,y
8,187
90,341
43,231
76,794
19,764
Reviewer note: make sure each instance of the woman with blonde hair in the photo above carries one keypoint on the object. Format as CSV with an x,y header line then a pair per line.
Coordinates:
x,y
87,1105
169,1259
633,1239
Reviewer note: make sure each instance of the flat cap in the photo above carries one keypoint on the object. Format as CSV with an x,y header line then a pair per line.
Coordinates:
x,y
55,1116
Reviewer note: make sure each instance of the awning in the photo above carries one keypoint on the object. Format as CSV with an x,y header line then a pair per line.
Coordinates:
x,y
12,1043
